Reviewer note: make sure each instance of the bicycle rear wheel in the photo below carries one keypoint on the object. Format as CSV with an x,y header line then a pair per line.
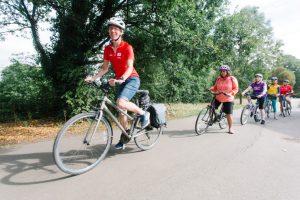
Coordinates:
x,y
245,114
203,120
146,139
82,143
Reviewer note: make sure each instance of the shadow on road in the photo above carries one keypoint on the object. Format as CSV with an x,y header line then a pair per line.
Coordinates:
x,y
37,168
192,133
18,165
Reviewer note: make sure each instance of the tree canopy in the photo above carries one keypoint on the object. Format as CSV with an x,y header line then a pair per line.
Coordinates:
x,y
178,44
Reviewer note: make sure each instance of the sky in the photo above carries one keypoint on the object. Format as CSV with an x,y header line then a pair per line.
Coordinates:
x,y
283,14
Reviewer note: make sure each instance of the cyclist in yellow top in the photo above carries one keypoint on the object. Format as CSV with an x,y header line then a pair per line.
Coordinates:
x,y
273,92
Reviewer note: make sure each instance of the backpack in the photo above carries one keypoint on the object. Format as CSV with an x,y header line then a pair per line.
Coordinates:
x,y
157,115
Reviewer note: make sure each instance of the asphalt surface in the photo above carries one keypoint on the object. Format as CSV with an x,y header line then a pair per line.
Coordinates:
x,y
260,162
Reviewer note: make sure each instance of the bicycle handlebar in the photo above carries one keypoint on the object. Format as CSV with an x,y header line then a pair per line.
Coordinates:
x,y
218,93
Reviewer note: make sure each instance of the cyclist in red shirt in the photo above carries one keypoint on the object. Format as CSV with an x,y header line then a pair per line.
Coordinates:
x,y
285,90
120,54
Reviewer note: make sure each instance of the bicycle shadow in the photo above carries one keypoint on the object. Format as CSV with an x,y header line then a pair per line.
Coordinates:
x,y
38,168
33,164
192,133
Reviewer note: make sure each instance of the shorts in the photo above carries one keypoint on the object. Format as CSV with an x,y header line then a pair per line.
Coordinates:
x,y
261,101
128,89
287,97
227,106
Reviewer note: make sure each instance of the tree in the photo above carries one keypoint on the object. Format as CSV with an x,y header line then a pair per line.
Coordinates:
x,y
79,32
282,73
245,42
24,92
292,64
176,54
78,28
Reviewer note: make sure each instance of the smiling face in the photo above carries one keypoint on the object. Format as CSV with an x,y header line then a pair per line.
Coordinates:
x,y
114,32
257,78
223,73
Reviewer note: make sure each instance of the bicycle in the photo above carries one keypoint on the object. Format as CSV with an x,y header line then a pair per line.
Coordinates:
x,y
208,116
85,139
286,107
268,105
250,110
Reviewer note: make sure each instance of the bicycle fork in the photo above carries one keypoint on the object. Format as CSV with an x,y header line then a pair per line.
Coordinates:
x,y
98,117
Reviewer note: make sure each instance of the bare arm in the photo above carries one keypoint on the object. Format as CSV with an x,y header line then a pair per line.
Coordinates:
x,y
248,89
100,73
129,69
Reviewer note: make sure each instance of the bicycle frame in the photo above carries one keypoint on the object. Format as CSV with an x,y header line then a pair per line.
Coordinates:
x,y
213,110
252,105
104,108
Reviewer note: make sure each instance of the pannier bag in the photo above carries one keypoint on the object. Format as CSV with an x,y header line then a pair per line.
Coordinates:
x,y
157,115
144,101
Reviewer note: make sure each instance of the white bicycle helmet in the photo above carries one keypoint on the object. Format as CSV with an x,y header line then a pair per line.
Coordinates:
x,y
224,67
274,78
117,22
260,75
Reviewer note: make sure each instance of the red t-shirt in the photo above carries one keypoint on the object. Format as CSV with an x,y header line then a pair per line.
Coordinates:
x,y
285,89
119,58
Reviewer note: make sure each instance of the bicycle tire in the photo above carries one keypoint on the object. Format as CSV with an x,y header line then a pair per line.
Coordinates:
x,y
245,114
223,122
268,108
203,120
288,109
76,149
257,116
147,138
283,109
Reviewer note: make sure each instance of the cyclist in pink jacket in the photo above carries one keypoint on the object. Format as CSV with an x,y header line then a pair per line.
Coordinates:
x,y
227,86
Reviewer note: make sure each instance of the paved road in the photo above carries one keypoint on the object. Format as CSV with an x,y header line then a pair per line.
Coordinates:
x,y
257,163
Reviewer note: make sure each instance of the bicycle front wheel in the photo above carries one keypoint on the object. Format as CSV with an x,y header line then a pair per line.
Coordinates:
x,y
288,109
257,116
82,143
268,109
203,120
283,109
245,114
223,122
146,139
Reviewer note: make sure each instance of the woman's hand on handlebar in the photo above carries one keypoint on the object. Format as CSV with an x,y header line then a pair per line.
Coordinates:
x,y
113,82
89,79
218,93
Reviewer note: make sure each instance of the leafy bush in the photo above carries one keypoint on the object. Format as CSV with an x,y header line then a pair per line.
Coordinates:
x,y
24,93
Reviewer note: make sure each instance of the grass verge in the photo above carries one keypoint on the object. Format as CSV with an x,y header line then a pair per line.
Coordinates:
x,y
41,130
